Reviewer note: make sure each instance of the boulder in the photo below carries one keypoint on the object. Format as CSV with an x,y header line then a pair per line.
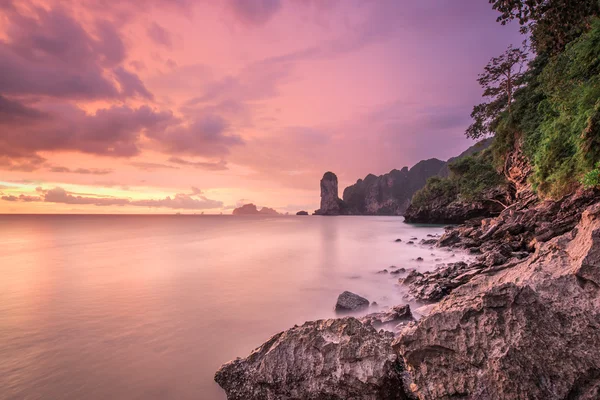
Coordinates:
x,y
348,301
526,330
335,359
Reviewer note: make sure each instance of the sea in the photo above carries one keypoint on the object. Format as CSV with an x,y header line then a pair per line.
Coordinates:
x,y
148,307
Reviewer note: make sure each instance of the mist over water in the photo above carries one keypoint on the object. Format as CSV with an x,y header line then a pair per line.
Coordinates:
x,y
148,307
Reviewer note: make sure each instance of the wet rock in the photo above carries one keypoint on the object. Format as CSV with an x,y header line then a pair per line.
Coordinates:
x,y
428,242
383,271
348,301
398,240
411,277
419,259
410,242
332,359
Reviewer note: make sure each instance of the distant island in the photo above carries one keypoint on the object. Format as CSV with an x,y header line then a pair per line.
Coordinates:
x,y
251,209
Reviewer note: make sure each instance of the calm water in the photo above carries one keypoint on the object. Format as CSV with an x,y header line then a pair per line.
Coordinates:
x,y
148,307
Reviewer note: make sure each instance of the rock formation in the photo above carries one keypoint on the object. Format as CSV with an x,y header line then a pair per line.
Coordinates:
x,y
525,329
389,194
302,213
336,359
251,209
349,301
446,211
331,204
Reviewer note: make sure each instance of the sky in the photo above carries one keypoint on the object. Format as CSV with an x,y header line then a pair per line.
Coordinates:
x,y
164,106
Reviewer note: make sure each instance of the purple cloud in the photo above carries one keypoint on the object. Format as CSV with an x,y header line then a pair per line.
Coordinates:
x,y
206,136
255,12
159,35
49,53
209,166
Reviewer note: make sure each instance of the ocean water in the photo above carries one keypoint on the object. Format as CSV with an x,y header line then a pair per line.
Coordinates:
x,y
148,307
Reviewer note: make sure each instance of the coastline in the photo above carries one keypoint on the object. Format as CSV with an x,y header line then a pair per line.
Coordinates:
x,y
531,266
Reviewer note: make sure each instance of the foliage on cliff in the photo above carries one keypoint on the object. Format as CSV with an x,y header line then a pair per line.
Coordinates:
x,y
553,108
469,178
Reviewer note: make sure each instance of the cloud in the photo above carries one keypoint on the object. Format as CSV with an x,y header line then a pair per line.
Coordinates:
x,y
83,171
180,201
113,131
12,111
150,166
131,84
205,136
23,198
209,166
50,53
159,35
255,12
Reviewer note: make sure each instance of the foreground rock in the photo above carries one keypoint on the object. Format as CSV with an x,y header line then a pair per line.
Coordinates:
x,y
526,330
348,301
392,316
337,359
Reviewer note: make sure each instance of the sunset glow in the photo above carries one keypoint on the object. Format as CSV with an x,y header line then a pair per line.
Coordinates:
x,y
189,106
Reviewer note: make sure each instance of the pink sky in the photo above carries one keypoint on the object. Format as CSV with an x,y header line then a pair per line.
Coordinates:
x,y
199,106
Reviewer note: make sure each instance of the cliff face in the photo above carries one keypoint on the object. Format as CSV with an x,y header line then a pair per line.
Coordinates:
x,y
331,204
389,194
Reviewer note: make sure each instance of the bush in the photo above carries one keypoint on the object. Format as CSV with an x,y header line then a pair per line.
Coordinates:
x,y
469,177
592,178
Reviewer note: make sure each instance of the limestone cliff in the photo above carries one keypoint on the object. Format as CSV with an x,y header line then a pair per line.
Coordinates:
x,y
389,194
331,204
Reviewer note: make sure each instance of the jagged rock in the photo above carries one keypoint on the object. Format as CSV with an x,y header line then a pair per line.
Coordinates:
x,y
411,277
334,359
331,204
530,330
394,315
348,301
389,194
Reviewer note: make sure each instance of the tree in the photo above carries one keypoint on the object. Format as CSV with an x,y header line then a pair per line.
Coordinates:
x,y
551,23
501,77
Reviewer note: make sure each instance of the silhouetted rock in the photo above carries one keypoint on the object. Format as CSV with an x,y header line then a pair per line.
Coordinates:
x,y
251,209
389,194
331,204
302,213
348,301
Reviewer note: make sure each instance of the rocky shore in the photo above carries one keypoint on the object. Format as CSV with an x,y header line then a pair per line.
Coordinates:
x,y
520,321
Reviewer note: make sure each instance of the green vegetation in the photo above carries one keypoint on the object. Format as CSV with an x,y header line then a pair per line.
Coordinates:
x,y
592,178
469,178
552,109
557,115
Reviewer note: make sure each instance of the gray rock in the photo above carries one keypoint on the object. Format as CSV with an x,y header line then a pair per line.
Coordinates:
x,y
530,330
335,359
348,301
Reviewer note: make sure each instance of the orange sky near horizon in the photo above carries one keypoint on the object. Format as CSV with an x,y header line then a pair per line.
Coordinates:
x,y
198,106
